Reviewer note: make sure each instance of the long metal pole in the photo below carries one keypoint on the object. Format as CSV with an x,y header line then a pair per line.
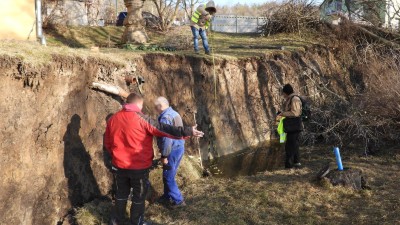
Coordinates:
x,y
39,31
39,23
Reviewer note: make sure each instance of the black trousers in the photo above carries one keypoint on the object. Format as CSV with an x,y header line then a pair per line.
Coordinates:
x,y
124,181
292,149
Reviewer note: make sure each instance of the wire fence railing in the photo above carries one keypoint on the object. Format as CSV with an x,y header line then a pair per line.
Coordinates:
x,y
237,24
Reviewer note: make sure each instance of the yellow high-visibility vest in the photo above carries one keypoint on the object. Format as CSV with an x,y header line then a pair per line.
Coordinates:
x,y
196,16
281,132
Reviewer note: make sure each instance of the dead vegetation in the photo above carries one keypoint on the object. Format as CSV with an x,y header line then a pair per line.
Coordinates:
x,y
287,196
293,16
368,114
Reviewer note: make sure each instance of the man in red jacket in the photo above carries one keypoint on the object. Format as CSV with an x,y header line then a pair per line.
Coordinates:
x,y
129,139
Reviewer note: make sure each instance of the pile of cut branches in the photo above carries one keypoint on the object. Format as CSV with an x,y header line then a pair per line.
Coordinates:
x,y
370,117
294,16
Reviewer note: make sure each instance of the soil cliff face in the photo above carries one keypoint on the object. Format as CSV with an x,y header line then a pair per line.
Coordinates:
x,y
237,107
51,138
52,155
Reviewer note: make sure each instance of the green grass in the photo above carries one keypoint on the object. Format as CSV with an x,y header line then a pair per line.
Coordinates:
x,y
84,37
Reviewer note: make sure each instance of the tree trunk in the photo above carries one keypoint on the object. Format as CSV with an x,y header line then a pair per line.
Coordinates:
x,y
175,13
134,24
160,14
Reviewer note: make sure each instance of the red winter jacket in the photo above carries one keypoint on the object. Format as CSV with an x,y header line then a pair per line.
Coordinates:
x,y
129,137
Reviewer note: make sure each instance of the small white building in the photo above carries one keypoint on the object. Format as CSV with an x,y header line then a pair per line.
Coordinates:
x,y
385,13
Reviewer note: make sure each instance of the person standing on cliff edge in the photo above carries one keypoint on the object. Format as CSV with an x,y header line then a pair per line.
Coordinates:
x,y
292,125
200,22
129,139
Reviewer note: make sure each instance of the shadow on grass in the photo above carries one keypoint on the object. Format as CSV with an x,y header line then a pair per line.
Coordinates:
x,y
66,40
85,37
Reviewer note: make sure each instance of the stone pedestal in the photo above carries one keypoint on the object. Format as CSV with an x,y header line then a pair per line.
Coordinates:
x,y
134,23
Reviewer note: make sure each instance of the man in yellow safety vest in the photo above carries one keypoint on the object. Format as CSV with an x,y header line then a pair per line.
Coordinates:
x,y
200,22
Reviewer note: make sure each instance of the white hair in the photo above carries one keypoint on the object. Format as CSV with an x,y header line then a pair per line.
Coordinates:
x,y
162,101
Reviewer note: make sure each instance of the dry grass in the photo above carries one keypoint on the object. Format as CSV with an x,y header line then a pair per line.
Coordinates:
x,y
35,54
94,213
105,37
292,196
77,41
98,211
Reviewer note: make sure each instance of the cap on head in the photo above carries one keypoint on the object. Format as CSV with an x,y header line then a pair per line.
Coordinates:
x,y
210,7
288,89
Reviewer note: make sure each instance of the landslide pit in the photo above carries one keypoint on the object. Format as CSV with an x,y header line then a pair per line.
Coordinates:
x,y
52,156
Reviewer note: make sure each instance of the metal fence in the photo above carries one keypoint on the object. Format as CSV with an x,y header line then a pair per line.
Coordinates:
x,y
237,24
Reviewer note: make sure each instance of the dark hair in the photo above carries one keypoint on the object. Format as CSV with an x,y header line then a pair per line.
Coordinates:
x,y
211,10
134,98
287,89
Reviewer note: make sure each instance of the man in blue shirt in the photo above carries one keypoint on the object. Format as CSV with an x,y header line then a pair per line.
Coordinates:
x,y
171,155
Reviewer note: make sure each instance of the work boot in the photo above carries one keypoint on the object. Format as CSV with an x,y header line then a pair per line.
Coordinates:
x,y
196,52
208,53
177,206
163,201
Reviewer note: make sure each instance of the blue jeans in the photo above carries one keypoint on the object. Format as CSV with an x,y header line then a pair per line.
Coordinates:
x,y
196,32
171,189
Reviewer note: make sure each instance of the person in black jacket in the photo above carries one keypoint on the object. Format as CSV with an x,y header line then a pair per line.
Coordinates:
x,y
292,111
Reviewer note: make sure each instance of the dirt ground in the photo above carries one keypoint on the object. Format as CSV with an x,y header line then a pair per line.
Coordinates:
x,y
288,196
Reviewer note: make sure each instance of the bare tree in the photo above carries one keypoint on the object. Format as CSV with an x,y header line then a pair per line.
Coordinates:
x,y
393,14
49,8
189,6
64,12
167,11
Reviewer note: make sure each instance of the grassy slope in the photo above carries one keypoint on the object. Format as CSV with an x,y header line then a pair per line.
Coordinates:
x,y
284,197
105,37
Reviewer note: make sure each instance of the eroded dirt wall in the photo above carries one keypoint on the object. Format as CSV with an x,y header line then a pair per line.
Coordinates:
x,y
242,110
52,155
51,138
